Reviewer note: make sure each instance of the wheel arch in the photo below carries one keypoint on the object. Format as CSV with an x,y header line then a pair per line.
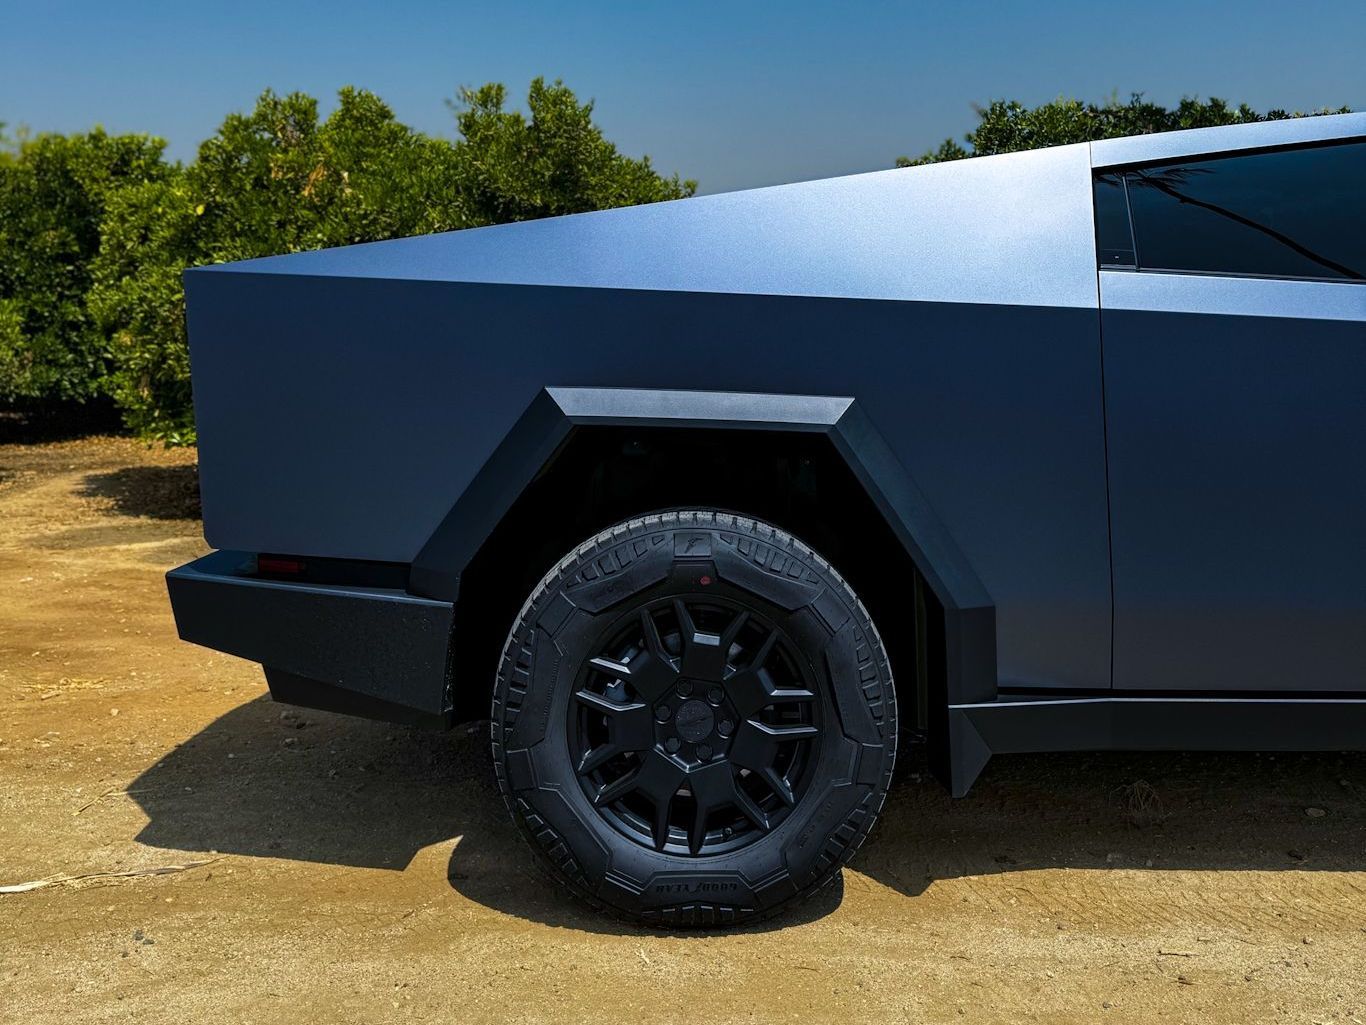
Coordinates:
x,y
815,464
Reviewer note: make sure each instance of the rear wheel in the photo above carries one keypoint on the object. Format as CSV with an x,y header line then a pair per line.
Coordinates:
x,y
694,720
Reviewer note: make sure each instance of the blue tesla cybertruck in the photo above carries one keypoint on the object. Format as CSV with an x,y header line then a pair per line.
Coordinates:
x,y
707,500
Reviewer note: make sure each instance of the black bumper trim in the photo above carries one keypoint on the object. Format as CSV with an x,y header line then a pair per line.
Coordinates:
x,y
371,651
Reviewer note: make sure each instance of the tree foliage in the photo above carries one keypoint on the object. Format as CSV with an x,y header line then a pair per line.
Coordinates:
x,y
514,168
1005,126
53,193
279,180
276,180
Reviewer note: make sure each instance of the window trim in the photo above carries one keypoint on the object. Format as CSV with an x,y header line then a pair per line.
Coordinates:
x,y
1138,267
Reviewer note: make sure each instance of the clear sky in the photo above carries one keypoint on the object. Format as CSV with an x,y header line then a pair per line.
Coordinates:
x,y
733,94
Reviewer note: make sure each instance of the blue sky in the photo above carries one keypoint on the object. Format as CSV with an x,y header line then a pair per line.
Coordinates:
x,y
735,95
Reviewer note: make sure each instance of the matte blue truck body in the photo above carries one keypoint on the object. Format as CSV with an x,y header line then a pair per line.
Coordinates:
x,y
1159,494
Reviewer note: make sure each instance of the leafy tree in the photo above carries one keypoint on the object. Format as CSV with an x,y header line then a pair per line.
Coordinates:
x,y
273,181
53,192
139,303
277,180
9,148
1005,126
511,168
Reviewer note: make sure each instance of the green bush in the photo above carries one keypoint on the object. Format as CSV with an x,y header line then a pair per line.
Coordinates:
x,y
272,181
278,180
510,168
53,193
139,305
1005,126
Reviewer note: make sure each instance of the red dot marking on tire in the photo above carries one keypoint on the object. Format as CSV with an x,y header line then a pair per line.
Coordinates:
x,y
704,581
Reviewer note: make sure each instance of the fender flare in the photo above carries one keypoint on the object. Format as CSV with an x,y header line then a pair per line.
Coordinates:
x,y
555,412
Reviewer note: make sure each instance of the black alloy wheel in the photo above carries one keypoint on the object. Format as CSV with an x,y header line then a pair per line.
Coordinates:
x,y
693,733
694,720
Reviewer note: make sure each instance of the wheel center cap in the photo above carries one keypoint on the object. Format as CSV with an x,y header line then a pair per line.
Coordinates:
x,y
694,721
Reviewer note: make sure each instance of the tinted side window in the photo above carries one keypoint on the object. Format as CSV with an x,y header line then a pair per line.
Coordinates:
x,y
1114,238
1290,213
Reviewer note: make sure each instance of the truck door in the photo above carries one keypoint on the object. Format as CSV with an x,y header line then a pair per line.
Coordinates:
x,y
1233,321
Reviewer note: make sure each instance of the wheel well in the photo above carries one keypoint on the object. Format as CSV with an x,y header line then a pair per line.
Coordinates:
x,y
795,480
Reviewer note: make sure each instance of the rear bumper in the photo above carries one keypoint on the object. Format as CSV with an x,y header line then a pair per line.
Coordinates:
x,y
371,651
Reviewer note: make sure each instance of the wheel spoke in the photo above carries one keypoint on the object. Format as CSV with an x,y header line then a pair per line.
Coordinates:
x,y
685,624
753,689
659,779
650,672
620,787
633,731
605,705
797,731
712,788
598,757
652,676
765,649
697,831
659,827
654,644
705,655
756,743
715,787
747,805
628,726
778,784
733,629
613,668
702,655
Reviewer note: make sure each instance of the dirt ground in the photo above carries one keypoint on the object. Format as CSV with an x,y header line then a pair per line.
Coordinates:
x,y
347,871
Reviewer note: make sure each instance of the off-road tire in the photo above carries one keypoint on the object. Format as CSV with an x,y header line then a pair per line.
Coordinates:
x,y
711,863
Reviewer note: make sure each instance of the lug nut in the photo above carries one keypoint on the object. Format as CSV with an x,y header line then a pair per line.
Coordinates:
x,y
685,688
671,745
663,712
703,752
715,695
726,728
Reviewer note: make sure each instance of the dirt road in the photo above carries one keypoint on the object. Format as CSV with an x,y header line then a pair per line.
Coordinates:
x,y
357,872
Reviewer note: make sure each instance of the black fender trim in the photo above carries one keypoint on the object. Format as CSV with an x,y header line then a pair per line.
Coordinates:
x,y
970,615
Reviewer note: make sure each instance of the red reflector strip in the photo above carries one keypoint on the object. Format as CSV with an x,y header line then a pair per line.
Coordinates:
x,y
279,564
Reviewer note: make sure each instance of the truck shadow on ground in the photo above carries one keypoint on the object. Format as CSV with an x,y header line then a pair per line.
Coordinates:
x,y
267,781
157,492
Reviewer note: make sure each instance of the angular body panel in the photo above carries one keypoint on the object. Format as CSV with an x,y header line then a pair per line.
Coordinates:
x,y
1008,229
374,417
1236,446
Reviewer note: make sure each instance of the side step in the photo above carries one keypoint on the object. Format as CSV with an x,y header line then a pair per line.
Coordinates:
x,y
1023,723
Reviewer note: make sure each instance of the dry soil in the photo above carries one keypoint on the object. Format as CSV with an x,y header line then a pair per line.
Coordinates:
x,y
347,871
